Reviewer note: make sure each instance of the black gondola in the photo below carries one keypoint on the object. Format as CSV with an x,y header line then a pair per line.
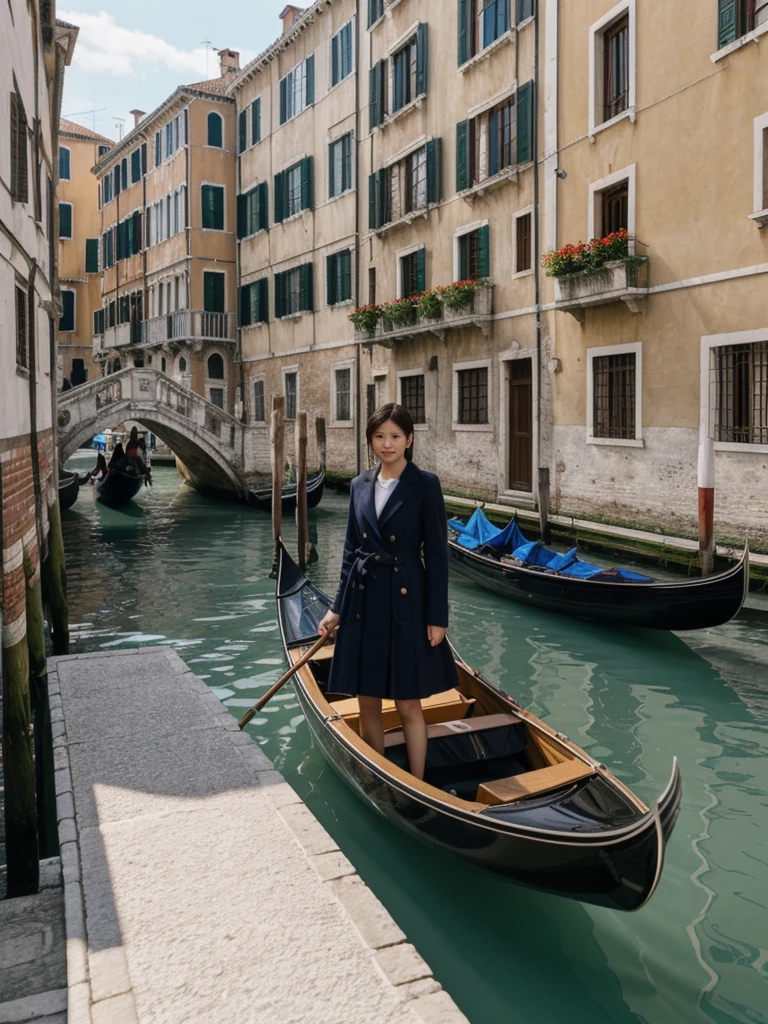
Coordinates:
x,y
262,497
618,596
119,487
69,488
504,791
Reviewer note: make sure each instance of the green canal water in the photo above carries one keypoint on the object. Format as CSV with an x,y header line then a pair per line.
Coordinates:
x,y
179,569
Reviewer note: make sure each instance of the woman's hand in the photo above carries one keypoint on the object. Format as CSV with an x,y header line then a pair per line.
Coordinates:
x,y
329,622
435,635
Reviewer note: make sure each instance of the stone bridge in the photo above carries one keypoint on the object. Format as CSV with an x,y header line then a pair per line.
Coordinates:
x,y
206,440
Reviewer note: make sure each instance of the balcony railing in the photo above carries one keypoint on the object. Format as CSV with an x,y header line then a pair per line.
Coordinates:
x,y
191,325
478,314
618,281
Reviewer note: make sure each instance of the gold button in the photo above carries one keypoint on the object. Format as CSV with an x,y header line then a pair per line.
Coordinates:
x,y
392,539
403,590
378,558
365,536
362,586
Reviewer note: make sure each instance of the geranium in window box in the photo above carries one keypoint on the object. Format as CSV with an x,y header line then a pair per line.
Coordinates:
x,y
430,306
365,319
599,272
399,313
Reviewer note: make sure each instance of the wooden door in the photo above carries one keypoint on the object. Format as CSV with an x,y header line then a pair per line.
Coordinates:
x,y
520,420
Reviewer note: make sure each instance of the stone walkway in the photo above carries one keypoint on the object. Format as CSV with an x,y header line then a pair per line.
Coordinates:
x,y
197,885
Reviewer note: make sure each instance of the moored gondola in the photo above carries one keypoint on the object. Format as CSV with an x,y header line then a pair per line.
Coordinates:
x,y
262,497
503,562
69,488
119,487
503,791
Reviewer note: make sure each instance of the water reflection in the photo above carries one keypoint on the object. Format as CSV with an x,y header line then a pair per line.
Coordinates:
x,y
194,574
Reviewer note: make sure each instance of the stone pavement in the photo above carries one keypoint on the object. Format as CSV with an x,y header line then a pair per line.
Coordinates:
x,y
197,885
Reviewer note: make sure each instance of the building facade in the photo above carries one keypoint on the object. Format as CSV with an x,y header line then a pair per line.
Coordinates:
x,y
167,243
79,239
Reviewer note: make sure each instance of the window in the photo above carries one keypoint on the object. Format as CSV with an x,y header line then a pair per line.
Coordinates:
x,y
98,321
294,190
372,286
213,207
613,395
495,139
256,121
215,130
523,258
252,211
413,273
91,255
291,387
341,54
342,394
135,166
64,164
297,89
407,186
259,405
612,203
79,374
482,22
19,159
612,65
116,180
760,200
158,148
615,208
338,272
124,172
254,303
182,366
473,254
409,70
472,386
375,11
103,150
216,397
412,396
616,68
242,131
294,291
67,321
377,104
737,17
65,220
107,188
215,367
22,343
740,379
340,166
213,291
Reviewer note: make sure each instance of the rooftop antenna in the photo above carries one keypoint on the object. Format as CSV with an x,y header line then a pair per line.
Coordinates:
x,y
208,45
119,122
91,113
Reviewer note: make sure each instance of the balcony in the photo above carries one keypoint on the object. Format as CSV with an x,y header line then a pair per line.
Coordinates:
x,y
618,281
194,326
409,324
121,336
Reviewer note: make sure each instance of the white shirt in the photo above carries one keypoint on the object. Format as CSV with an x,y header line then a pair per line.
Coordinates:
x,y
382,492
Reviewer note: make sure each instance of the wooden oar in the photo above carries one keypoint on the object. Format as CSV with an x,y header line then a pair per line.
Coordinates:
x,y
281,682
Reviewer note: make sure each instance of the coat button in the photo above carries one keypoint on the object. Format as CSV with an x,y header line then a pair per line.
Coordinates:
x,y
403,590
358,616
396,569
395,557
392,539
377,558
362,586
365,536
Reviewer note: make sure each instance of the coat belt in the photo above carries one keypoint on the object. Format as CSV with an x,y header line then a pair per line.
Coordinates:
x,y
383,558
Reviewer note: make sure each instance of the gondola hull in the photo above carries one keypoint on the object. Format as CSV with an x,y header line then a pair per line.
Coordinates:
x,y
689,604
262,497
118,488
587,842
69,488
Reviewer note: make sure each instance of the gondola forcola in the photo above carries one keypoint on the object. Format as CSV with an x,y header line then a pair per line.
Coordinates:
x,y
505,562
503,791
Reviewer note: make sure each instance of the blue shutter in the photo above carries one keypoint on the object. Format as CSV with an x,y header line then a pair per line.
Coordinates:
x,y
284,100
525,123
143,158
310,93
218,208
256,121
307,189
399,80
462,156
372,210
421,60
124,165
434,175
376,101
158,149
242,132
727,22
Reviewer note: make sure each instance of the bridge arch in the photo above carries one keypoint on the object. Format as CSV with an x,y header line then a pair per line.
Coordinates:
x,y
207,440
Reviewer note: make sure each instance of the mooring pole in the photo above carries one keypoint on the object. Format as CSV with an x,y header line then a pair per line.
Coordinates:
x,y
320,440
301,489
706,505
544,503
277,444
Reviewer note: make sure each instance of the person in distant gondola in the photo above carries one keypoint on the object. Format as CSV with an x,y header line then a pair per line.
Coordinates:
x,y
135,448
101,470
392,603
117,456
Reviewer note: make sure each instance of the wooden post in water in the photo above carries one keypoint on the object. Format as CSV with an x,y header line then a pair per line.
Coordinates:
x,y
706,505
544,504
320,440
301,489
277,446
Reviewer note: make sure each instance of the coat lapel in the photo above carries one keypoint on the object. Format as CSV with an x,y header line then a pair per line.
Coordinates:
x,y
401,492
367,504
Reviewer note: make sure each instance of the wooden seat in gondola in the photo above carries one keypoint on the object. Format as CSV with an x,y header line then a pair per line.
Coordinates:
x,y
530,784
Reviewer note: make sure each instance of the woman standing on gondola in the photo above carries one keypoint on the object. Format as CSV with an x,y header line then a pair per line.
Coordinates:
x,y
392,603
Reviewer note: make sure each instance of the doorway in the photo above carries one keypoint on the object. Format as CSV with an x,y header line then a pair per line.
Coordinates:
x,y
520,421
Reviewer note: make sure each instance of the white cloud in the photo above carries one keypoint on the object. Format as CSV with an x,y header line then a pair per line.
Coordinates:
x,y
103,47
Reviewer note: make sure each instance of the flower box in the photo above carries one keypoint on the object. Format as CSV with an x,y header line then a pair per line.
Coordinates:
x,y
408,323
617,281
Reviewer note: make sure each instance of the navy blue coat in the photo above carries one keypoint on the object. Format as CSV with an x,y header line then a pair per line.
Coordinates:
x,y
394,583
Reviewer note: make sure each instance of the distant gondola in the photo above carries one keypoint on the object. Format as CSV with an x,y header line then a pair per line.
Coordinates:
x,y
118,487
563,583
69,488
503,791
262,498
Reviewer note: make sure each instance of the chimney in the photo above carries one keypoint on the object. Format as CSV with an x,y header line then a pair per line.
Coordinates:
x,y
290,15
230,62
137,116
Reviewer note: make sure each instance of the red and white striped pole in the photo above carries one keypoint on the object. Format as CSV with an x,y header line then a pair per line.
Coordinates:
x,y
706,505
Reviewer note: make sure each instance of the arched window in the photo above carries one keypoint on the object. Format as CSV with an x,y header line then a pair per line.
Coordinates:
x,y
162,364
215,367
215,130
182,365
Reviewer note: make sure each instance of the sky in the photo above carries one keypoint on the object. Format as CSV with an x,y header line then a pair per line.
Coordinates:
x,y
132,56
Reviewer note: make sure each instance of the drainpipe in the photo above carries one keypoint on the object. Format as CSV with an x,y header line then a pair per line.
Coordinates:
x,y
536,226
358,257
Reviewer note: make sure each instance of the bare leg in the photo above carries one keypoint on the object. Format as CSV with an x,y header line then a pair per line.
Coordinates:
x,y
415,729
371,724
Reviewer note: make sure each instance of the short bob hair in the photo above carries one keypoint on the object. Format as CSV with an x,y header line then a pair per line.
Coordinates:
x,y
399,415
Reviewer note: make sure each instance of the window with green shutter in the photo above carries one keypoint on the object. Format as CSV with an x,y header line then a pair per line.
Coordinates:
x,y
254,303
65,220
297,89
252,211
463,179
525,123
413,275
256,121
124,169
341,54
375,11
465,30
213,207
306,287
215,130
338,277
524,10
474,254
137,235
737,17
377,101
242,131
213,291
135,166
307,183
91,255
67,321
379,206
340,166
408,72
495,20
64,163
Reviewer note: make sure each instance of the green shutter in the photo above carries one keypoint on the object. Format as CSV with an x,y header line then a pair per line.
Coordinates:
x,y
493,143
335,58
421,60
256,121
464,30
483,252
331,296
283,100
279,197
376,82
279,295
242,131
143,158
373,205
310,94
65,220
727,22
421,270
525,124
91,255
305,287
263,219
242,216
263,300
524,10
136,232
462,156
218,208
244,305
307,199
209,296
434,175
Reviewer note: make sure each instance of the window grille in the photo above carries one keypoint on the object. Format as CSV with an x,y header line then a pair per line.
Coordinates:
x,y
291,386
343,380
473,395
412,396
523,243
614,386
259,409
739,376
